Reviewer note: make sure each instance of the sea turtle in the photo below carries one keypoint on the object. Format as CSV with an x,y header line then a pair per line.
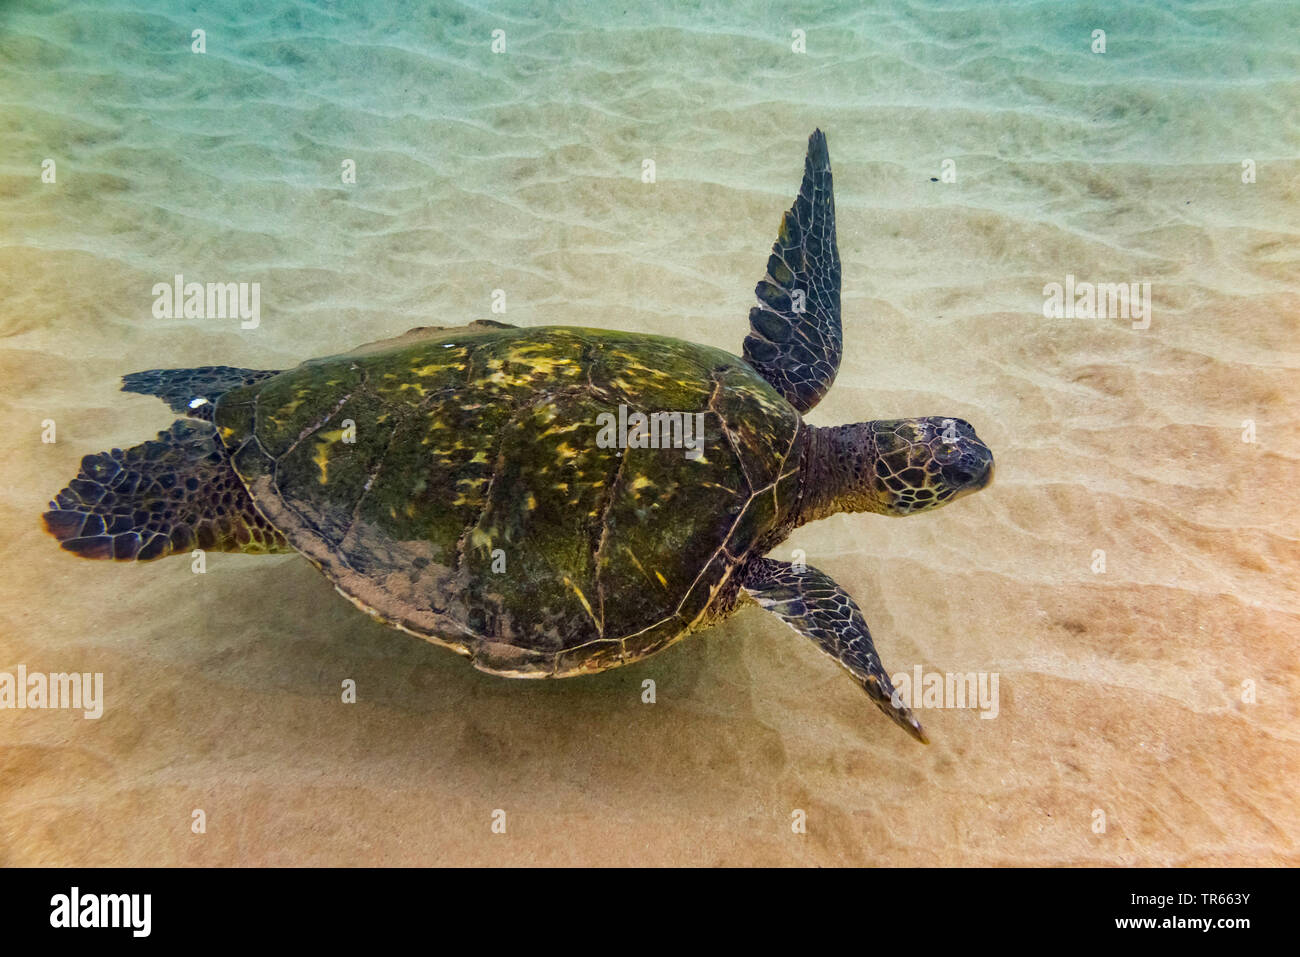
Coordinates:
x,y
547,501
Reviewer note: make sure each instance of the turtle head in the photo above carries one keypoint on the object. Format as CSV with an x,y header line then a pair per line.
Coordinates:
x,y
891,467
912,465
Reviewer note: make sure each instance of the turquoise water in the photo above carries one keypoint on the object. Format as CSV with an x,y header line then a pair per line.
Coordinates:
x,y
523,171
229,161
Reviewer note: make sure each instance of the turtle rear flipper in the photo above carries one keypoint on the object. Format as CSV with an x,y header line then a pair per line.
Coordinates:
x,y
171,494
193,392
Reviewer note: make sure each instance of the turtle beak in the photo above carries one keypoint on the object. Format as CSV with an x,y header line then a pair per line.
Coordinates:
x,y
972,472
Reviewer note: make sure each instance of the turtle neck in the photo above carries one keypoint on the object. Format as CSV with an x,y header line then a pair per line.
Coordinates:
x,y
833,460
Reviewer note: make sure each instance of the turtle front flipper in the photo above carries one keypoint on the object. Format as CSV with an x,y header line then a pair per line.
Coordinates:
x,y
794,339
812,604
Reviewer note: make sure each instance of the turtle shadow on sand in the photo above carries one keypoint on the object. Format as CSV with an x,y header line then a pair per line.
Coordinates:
x,y
420,708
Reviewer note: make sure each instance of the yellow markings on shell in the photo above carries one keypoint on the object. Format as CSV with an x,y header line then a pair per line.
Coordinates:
x,y
287,410
720,488
557,429
435,368
582,598
632,365
639,566
543,365
435,425
470,491
534,361
324,442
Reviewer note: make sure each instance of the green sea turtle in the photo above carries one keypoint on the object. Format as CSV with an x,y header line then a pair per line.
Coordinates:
x,y
470,486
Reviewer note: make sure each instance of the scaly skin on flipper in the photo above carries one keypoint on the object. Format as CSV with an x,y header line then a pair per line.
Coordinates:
x,y
811,603
797,349
171,494
180,388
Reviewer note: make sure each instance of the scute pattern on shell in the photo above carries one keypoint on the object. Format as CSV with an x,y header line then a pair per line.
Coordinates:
x,y
452,485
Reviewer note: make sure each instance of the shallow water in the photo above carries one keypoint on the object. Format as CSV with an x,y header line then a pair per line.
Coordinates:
x,y
1120,691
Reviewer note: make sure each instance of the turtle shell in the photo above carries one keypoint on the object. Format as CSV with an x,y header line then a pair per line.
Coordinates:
x,y
454,483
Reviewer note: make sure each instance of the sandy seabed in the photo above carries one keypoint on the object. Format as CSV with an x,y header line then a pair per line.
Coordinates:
x,y
1158,695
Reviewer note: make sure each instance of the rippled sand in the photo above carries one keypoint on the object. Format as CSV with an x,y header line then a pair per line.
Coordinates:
x,y
1120,691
